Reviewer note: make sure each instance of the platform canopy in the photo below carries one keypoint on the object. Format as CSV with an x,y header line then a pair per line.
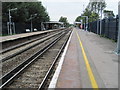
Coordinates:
x,y
77,23
53,22
53,25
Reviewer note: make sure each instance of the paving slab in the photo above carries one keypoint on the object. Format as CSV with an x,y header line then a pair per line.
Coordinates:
x,y
101,57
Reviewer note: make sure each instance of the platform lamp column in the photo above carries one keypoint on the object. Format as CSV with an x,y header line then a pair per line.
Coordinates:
x,y
101,10
118,41
32,17
10,20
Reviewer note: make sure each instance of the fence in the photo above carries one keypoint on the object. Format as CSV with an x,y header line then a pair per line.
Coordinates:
x,y
19,27
109,27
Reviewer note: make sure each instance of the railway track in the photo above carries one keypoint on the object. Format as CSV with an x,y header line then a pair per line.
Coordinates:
x,y
11,51
15,50
6,45
13,62
36,64
4,50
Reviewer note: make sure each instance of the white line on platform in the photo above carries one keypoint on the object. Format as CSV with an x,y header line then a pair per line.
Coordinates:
x,y
57,72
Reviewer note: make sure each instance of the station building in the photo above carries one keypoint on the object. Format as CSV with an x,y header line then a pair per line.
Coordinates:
x,y
78,24
52,25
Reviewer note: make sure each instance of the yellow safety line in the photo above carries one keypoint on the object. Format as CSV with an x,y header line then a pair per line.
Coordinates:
x,y
90,73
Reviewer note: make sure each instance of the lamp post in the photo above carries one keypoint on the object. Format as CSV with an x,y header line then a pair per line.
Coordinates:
x,y
101,21
10,19
31,17
118,41
86,21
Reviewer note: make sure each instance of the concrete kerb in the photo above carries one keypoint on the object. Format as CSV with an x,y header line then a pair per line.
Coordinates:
x,y
57,72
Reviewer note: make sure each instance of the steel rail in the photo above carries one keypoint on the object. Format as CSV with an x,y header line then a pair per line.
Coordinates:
x,y
10,76
22,44
42,85
21,51
45,32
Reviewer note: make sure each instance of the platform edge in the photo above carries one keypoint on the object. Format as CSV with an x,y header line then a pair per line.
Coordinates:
x,y
57,72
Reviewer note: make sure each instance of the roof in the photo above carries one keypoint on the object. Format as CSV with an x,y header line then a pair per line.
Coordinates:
x,y
77,22
54,22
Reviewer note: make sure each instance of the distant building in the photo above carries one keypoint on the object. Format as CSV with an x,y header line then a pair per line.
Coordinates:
x,y
78,24
52,25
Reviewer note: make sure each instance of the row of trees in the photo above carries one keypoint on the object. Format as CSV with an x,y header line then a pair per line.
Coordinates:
x,y
24,12
64,20
94,11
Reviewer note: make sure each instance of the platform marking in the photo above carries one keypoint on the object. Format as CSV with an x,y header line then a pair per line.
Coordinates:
x,y
53,82
90,73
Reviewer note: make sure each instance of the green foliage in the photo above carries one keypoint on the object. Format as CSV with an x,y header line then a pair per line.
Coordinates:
x,y
92,16
96,6
64,20
108,13
78,19
24,11
93,11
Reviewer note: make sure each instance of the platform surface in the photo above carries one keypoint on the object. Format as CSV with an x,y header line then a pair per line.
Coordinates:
x,y
17,36
101,59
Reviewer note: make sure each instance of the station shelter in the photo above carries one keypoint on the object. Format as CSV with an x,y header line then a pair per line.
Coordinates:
x,y
53,25
78,24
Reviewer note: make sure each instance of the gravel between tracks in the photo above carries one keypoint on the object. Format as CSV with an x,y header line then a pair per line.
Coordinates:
x,y
6,54
15,61
33,76
24,39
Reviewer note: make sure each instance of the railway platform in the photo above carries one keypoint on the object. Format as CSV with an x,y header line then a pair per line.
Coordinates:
x,y
18,36
89,62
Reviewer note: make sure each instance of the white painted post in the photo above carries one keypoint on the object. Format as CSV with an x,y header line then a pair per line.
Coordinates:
x,y
101,22
10,19
14,27
10,22
8,28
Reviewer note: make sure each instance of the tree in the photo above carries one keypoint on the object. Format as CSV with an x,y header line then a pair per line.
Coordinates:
x,y
78,19
93,10
92,16
24,11
108,13
96,6
64,20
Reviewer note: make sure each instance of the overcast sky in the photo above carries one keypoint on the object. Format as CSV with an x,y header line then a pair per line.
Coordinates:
x,y
72,8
